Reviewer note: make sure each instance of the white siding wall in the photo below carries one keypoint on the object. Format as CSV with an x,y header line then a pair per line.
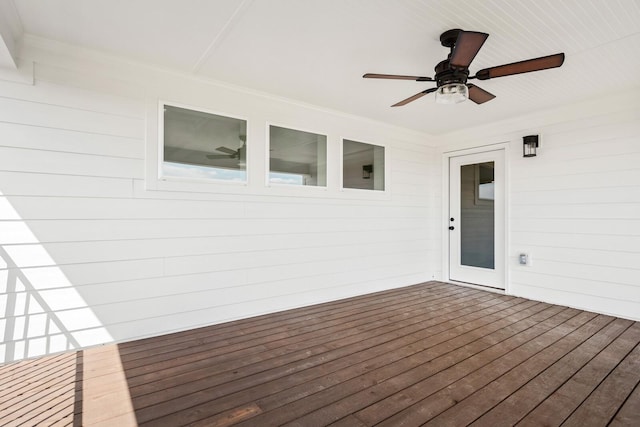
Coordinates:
x,y
575,208
93,249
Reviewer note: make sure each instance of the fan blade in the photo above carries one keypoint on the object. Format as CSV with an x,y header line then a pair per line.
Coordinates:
x,y
466,48
414,97
536,64
479,95
220,156
397,77
226,150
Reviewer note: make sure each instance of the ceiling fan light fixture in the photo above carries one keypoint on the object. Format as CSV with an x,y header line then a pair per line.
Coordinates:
x,y
452,93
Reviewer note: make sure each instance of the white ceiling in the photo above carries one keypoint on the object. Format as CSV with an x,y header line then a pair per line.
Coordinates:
x,y
316,51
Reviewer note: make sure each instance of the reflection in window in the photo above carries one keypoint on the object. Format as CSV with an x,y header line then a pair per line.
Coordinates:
x,y
287,178
486,191
484,181
297,157
203,172
362,166
203,145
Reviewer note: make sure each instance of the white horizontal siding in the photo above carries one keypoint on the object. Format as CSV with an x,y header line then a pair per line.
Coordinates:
x,y
288,258
66,94
591,257
53,185
579,211
90,253
184,320
131,310
208,286
575,208
117,250
584,237
45,231
593,196
92,208
103,272
601,303
69,118
41,138
55,162
621,282
611,179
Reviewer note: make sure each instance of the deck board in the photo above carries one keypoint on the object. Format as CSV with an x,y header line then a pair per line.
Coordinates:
x,y
453,367
559,405
439,350
373,338
608,397
428,354
629,412
518,404
509,376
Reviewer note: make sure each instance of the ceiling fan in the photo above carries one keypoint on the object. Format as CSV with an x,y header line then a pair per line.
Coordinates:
x,y
240,154
452,73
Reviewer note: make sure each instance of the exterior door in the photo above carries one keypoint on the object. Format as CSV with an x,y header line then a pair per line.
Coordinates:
x,y
477,219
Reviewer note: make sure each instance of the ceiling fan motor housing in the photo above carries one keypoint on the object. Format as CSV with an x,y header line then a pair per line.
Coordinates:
x,y
445,74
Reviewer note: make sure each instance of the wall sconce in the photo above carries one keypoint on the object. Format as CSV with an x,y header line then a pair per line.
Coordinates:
x,y
529,145
367,170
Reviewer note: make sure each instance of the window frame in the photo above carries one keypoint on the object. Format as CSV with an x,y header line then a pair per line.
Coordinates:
x,y
160,147
148,176
270,184
386,192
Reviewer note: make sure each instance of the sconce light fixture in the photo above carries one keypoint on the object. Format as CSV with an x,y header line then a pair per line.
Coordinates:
x,y
367,170
529,145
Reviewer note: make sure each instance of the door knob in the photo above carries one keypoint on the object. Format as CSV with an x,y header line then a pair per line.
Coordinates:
x,y
452,228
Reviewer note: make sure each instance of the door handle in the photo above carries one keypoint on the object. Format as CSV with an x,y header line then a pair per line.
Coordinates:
x,y
452,227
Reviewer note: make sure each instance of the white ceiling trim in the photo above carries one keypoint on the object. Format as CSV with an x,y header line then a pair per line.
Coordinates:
x,y
244,5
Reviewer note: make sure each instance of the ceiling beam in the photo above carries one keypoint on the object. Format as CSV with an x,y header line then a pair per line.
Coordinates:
x,y
10,34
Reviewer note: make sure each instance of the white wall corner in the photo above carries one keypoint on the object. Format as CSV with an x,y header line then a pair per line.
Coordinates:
x,y
10,35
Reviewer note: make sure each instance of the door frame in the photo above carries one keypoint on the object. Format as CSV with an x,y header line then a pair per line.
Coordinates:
x,y
444,224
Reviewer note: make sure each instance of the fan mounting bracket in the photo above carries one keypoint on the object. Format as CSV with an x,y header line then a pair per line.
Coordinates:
x,y
448,38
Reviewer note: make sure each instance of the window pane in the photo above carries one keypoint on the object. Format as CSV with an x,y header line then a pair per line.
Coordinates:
x,y
362,166
203,145
297,157
477,215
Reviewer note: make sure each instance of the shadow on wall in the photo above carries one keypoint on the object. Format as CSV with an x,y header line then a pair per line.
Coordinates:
x,y
40,310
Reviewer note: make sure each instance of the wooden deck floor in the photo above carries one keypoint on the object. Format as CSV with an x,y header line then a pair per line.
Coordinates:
x,y
432,354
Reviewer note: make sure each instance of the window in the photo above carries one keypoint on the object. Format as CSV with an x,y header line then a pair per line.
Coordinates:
x,y
362,165
297,157
203,145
